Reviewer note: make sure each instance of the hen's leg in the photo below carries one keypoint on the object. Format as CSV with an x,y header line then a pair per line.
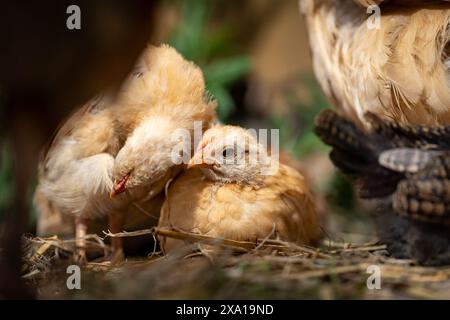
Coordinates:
x,y
115,224
81,226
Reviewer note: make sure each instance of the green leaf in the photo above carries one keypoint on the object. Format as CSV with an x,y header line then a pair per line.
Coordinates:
x,y
203,45
309,143
226,71
224,101
188,37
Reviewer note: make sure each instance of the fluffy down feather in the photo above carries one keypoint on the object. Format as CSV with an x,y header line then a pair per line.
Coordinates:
x,y
400,71
124,142
217,201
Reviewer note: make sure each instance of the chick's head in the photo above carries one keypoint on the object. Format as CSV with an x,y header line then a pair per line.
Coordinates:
x,y
145,158
232,154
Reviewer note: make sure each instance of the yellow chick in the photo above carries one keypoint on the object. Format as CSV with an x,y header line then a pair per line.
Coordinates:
x,y
111,155
233,189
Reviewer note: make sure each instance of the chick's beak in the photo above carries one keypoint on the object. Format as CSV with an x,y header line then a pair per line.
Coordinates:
x,y
119,186
198,161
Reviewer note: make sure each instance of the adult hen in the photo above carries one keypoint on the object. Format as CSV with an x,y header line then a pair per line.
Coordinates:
x,y
112,154
409,169
395,65
233,189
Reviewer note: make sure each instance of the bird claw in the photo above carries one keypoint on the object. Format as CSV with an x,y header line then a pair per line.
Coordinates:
x,y
80,258
114,258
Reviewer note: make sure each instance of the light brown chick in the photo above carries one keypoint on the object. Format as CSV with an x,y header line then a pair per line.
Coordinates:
x,y
399,71
226,192
115,155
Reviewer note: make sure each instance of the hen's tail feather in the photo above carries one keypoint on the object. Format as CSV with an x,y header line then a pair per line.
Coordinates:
x,y
356,154
373,181
426,196
414,199
340,133
410,136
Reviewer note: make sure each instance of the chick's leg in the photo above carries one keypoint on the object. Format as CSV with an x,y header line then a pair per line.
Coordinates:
x,y
115,224
81,226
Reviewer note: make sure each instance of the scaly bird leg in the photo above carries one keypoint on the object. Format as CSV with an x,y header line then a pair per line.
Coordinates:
x,y
115,224
81,226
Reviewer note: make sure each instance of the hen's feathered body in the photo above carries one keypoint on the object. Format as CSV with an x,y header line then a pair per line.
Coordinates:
x,y
399,71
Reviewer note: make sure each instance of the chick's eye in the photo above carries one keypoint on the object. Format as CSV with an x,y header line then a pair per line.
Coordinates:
x,y
228,153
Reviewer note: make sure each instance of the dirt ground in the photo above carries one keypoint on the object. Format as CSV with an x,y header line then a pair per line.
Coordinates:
x,y
268,269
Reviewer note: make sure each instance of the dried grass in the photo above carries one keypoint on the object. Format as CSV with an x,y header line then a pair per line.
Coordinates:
x,y
267,268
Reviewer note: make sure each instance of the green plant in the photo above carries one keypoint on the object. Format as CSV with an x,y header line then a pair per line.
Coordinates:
x,y
212,50
297,132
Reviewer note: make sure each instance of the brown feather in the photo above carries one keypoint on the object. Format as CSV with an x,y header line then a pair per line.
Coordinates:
x,y
399,71
240,202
